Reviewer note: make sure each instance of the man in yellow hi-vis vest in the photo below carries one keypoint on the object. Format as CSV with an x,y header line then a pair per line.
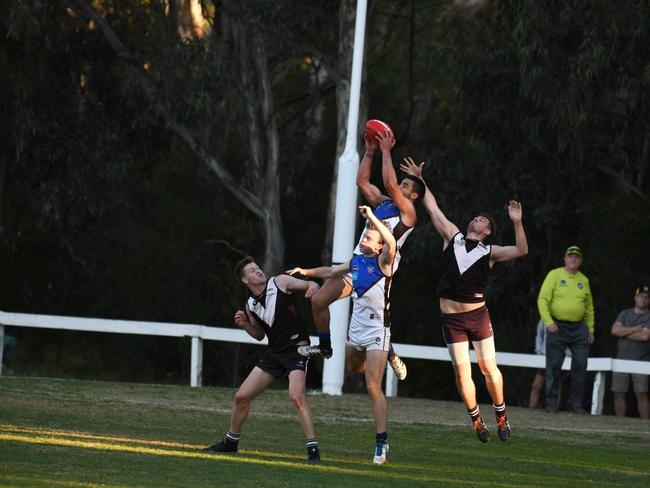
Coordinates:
x,y
567,309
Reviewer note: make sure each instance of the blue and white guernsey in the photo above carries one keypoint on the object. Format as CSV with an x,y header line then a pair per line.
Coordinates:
x,y
370,292
388,213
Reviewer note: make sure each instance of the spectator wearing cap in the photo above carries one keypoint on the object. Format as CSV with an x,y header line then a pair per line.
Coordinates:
x,y
632,327
566,306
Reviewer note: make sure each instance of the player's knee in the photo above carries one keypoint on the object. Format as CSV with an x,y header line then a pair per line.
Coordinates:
x,y
241,399
463,380
298,399
356,368
374,390
316,303
492,375
354,364
463,371
319,301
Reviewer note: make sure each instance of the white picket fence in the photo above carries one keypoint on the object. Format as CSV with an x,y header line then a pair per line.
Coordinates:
x,y
200,333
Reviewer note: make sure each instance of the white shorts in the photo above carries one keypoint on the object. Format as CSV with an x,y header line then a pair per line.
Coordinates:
x,y
364,338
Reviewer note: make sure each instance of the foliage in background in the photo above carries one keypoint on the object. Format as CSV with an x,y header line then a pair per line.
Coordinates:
x,y
107,210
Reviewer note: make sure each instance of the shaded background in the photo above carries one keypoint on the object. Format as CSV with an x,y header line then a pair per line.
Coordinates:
x,y
144,142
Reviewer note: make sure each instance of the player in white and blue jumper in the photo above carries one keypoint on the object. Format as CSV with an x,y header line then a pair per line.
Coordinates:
x,y
369,333
397,211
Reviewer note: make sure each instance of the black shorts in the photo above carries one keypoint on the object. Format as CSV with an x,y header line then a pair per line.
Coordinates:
x,y
280,364
467,326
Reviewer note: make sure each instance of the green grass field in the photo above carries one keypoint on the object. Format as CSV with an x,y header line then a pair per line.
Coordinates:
x,y
87,434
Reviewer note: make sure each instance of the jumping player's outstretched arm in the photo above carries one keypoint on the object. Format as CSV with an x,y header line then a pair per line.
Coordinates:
x,y
246,321
507,253
445,228
387,255
324,272
291,284
369,191
407,212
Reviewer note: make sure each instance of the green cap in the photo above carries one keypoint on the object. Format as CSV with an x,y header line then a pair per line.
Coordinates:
x,y
573,250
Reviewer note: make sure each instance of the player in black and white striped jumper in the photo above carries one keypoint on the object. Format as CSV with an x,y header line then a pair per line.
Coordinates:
x,y
271,311
466,264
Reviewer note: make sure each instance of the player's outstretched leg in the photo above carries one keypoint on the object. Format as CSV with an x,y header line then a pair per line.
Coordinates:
x,y
459,352
397,364
486,356
332,290
255,383
324,351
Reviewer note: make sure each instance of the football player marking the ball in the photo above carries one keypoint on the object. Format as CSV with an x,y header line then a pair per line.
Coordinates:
x,y
398,212
369,332
271,310
466,263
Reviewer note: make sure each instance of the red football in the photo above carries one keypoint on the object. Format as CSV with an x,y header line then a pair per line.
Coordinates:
x,y
374,127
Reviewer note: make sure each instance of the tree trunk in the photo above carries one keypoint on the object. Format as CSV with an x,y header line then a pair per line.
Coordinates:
x,y
264,141
316,111
274,244
643,163
264,201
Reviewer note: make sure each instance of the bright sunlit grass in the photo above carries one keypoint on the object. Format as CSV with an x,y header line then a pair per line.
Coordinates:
x,y
83,440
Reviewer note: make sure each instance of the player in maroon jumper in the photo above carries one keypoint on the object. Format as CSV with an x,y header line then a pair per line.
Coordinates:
x,y
466,264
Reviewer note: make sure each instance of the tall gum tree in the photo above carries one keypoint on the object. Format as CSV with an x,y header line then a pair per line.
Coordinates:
x,y
259,194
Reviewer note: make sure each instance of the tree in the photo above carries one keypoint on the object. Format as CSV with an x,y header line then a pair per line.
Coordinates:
x,y
552,101
264,200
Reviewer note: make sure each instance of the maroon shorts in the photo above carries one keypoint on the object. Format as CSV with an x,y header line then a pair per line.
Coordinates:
x,y
467,326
